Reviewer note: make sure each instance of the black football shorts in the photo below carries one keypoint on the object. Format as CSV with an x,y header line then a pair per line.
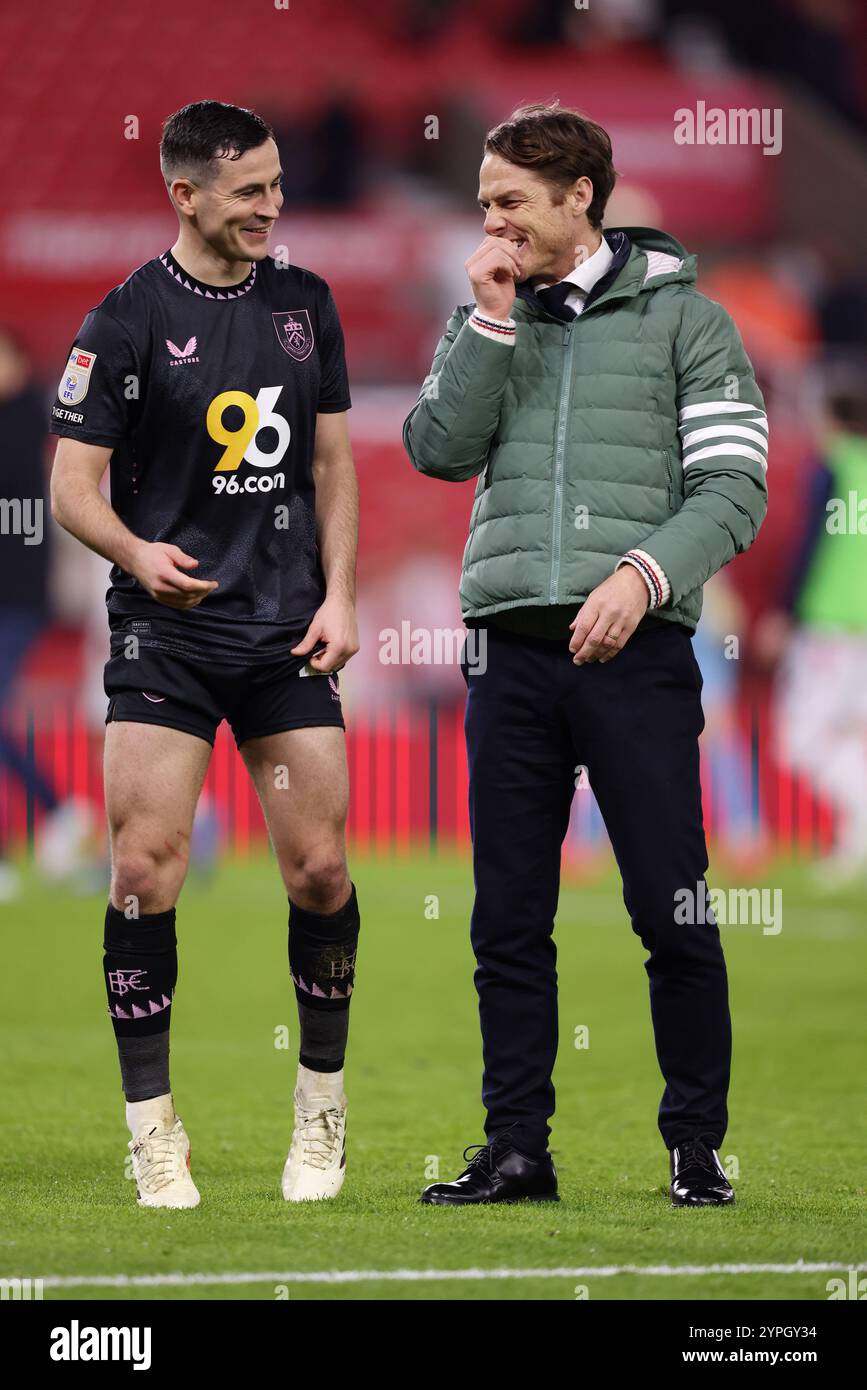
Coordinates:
x,y
193,695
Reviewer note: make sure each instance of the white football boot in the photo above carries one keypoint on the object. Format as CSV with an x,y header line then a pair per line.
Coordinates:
x,y
316,1165
160,1155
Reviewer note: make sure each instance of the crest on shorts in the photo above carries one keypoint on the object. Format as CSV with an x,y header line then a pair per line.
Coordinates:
x,y
76,377
294,333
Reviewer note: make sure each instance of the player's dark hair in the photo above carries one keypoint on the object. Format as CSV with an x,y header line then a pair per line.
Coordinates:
x,y
561,145
204,131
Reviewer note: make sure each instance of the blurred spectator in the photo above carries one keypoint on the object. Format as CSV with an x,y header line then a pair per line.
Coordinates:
x,y
774,317
321,150
842,297
24,565
821,636
424,20
540,22
739,836
816,44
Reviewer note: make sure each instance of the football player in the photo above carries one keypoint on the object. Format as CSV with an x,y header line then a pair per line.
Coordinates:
x,y
212,383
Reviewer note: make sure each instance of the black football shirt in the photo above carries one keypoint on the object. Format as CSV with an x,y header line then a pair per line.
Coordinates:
x,y
208,397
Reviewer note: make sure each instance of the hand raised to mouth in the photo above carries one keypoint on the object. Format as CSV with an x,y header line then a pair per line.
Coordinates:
x,y
493,269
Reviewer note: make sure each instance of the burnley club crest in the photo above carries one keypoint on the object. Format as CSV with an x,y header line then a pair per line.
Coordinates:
x,y
294,333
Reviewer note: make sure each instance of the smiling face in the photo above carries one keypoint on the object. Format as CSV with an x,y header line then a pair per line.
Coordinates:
x,y
520,205
235,208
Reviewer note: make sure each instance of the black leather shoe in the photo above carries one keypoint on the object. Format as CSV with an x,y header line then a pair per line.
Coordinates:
x,y
497,1172
697,1176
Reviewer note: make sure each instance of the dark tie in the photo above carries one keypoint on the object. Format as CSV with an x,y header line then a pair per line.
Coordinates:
x,y
554,300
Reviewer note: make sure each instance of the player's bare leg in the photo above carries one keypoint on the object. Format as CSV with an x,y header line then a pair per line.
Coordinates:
x,y
153,777
302,782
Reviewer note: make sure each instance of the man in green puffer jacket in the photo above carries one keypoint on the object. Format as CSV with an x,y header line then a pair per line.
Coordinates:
x,y
619,439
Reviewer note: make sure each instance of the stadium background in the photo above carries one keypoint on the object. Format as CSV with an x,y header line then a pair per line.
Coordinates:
x,y
380,112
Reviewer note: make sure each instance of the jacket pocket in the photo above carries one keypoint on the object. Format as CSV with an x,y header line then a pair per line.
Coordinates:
x,y
489,472
674,475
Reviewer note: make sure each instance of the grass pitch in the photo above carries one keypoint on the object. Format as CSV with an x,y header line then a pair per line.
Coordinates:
x,y
796,1141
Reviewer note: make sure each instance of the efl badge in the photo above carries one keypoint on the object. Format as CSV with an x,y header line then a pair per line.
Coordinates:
x,y
294,333
76,378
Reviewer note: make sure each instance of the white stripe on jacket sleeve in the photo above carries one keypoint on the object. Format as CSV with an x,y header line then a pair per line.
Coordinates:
x,y
708,431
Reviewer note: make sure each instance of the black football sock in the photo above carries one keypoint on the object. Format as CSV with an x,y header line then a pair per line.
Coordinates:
x,y
322,948
141,971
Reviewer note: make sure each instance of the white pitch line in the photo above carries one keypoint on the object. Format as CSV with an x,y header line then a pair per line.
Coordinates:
x,y
409,1276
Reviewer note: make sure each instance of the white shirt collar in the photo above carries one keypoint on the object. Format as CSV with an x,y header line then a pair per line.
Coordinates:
x,y
585,275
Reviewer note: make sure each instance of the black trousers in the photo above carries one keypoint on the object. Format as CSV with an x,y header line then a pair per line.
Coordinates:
x,y
533,717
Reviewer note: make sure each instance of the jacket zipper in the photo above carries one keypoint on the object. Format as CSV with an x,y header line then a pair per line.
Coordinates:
x,y
559,457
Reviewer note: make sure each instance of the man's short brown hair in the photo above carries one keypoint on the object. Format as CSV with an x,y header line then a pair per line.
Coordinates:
x,y
561,145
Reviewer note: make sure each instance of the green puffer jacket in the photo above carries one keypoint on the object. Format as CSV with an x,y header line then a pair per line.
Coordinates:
x,y
638,425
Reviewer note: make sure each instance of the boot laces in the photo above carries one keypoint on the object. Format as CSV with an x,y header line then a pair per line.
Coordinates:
x,y
696,1153
483,1155
157,1156
319,1134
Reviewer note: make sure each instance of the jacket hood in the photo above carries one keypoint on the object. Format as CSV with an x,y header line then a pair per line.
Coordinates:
x,y
667,261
